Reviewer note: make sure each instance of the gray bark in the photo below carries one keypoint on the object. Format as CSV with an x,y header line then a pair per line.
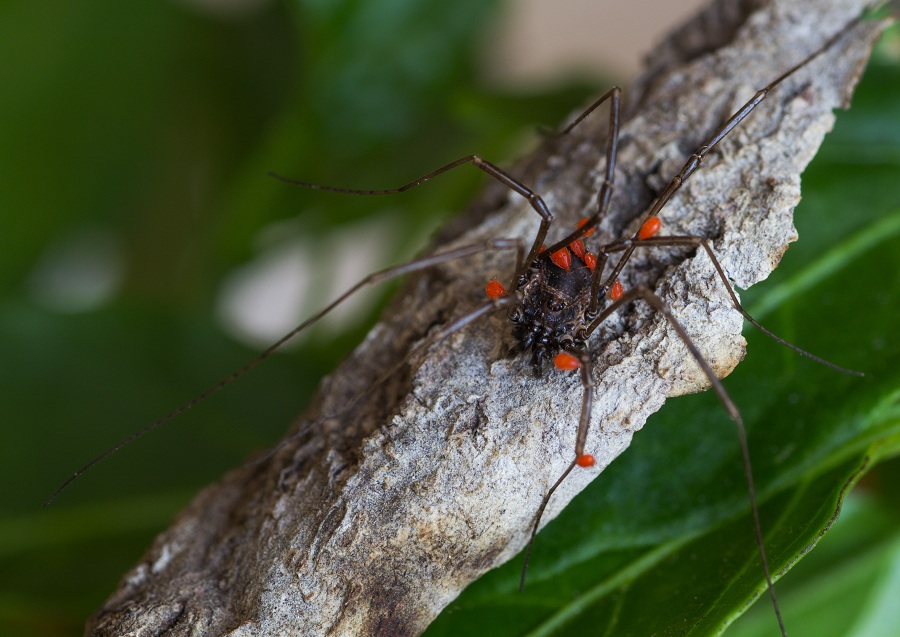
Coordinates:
x,y
391,496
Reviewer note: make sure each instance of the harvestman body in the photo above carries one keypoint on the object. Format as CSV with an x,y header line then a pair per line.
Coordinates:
x,y
560,294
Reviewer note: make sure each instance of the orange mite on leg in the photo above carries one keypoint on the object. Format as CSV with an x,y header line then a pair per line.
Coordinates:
x,y
581,223
562,258
566,361
495,289
577,247
650,228
585,460
616,292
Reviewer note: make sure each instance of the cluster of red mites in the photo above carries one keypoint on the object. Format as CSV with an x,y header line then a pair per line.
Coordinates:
x,y
563,259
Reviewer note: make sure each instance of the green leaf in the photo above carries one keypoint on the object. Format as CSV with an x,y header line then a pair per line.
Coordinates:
x,y
849,585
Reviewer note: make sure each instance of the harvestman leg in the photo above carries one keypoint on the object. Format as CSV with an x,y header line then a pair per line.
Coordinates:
x,y
376,277
695,241
535,200
482,164
643,292
522,264
445,331
693,163
627,247
612,151
584,424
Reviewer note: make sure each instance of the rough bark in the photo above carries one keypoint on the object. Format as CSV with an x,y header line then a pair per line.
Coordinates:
x,y
370,520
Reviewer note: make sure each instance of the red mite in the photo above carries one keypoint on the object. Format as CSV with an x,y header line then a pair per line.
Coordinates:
x,y
649,228
495,289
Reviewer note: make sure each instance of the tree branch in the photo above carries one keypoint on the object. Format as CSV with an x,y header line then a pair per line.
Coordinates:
x,y
390,496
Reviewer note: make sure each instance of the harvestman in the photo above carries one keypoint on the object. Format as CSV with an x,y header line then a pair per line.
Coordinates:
x,y
560,294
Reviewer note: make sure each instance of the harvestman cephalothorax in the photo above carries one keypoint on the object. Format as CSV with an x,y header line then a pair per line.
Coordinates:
x,y
562,289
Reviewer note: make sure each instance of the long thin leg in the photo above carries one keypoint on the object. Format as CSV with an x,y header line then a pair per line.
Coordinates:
x,y
643,292
693,162
535,200
444,332
584,423
482,164
537,522
597,291
590,109
612,151
694,241
376,277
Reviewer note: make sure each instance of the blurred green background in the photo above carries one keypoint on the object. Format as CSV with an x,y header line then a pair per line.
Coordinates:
x,y
135,139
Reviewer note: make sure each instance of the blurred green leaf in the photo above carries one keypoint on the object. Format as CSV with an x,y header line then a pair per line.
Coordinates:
x,y
849,585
